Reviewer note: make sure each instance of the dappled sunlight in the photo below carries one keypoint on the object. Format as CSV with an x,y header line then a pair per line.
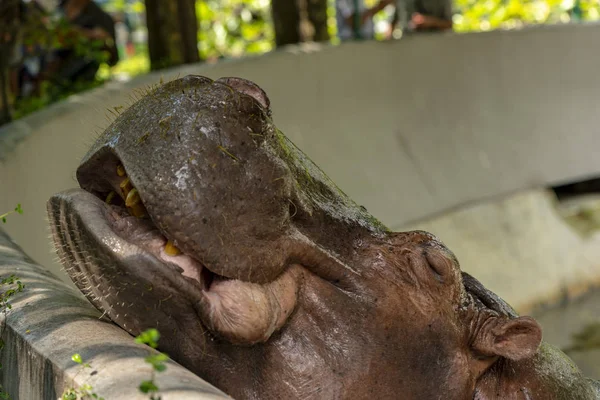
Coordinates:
x,y
127,68
233,28
237,28
477,15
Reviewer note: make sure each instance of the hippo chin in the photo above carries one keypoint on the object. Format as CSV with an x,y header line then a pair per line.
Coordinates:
x,y
198,217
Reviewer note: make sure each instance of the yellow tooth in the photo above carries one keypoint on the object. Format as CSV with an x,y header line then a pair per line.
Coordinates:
x,y
171,249
110,197
133,198
138,210
120,170
134,204
125,186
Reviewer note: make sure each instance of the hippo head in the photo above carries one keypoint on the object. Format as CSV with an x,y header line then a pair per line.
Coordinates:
x,y
198,217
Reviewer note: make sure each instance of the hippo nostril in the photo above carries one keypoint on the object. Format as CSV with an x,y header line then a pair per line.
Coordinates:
x,y
249,88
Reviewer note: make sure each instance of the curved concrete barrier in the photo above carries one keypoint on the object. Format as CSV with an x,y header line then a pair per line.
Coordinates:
x,y
49,322
410,129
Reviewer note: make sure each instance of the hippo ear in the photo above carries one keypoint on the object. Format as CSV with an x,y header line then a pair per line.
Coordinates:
x,y
514,339
250,88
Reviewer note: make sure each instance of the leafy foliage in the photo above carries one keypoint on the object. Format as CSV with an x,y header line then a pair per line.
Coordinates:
x,y
13,286
479,15
38,33
86,390
17,210
234,27
150,337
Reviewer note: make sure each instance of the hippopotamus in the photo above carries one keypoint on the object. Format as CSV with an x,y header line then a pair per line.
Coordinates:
x,y
197,216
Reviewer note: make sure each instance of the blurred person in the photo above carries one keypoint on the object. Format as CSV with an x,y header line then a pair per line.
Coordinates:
x,y
346,16
124,33
28,57
90,22
417,16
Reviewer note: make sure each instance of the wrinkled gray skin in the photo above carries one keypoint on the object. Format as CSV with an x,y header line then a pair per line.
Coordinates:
x,y
284,288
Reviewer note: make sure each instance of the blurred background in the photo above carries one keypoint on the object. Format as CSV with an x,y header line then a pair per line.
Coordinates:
x,y
46,43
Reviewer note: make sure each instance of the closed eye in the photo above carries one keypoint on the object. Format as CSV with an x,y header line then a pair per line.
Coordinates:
x,y
438,273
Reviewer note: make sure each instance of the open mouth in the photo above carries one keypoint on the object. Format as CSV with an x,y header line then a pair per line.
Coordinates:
x,y
114,213
106,236
128,218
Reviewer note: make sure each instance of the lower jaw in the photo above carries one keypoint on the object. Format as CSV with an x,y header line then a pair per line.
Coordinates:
x,y
137,253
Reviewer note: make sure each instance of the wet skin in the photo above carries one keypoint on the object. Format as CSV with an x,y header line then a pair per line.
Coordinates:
x,y
198,217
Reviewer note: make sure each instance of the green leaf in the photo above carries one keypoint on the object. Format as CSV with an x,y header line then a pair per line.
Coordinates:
x,y
156,358
70,394
159,367
77,358
149,337
148,386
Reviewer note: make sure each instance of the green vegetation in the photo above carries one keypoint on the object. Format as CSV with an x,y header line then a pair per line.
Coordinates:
x,y
12,285
9,287
235,28
477,15
17,210
151,337
86,390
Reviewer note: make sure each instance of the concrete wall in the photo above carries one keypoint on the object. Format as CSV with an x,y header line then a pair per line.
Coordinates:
x,y
409,128
50,321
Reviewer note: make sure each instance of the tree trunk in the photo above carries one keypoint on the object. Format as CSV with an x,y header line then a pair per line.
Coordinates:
x,y
298,21
9,29
317,15
172,32
286,20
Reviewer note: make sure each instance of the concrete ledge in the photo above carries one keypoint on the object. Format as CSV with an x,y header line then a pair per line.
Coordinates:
x,y
521,248
50,321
